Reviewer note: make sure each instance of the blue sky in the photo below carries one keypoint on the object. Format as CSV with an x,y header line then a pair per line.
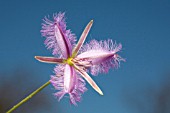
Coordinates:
x,y
142,26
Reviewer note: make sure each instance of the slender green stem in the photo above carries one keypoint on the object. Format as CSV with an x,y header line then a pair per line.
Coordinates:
x,y
28,97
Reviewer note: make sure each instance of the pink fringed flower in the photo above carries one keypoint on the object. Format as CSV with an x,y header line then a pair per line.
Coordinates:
x,y
95,56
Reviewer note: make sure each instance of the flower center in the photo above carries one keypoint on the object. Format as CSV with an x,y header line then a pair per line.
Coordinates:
x,y
69,61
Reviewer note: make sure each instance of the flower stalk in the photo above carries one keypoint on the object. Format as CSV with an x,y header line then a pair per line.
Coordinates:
x,y
28,97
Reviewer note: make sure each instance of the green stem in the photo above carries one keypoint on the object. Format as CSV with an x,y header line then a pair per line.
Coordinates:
x,y
28,97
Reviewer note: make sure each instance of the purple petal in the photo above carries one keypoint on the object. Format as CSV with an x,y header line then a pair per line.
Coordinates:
x,y
49,59
74,85
69,78
80,88
57,37
89,79
82,38
95,56
100,56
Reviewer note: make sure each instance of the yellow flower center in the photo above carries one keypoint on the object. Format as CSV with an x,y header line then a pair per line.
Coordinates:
x,y
69,61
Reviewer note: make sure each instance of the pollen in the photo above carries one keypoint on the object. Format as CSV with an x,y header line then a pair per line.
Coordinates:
x,y
69,61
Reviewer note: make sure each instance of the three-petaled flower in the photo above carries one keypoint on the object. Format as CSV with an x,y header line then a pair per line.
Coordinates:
x,y
76,60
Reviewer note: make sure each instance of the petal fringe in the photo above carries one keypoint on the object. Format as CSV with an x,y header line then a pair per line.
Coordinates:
x,y
58,43
57,81
103,55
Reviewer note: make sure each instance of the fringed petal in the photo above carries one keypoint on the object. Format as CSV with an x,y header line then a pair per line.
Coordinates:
x,y
58,38
100,56
75,95
76,85
69,78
